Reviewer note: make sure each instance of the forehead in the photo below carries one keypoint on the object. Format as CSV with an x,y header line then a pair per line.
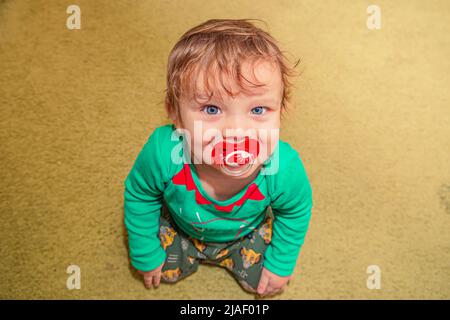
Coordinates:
x,y
260,72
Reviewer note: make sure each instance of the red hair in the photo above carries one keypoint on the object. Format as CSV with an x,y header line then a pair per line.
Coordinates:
x,y
221,44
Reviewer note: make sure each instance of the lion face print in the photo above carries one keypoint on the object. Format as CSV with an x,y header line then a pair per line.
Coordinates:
x,y
171,275
166,235
249,257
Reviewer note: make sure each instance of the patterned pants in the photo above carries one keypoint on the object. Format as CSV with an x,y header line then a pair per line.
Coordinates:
x,y
242,257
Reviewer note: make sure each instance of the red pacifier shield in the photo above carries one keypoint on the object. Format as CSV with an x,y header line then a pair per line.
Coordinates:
x,y
235,153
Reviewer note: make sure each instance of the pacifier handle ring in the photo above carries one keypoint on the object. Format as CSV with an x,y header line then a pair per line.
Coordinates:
x,y
227,157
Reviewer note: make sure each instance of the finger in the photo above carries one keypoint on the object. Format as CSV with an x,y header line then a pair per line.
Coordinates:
x,y
266,291
148,281
156,280
271,291
262,286
278,291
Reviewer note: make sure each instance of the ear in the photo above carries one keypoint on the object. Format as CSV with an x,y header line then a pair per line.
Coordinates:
x,y
259,258
172,117
177,122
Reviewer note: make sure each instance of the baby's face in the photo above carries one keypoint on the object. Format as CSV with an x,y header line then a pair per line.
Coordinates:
x,y
255,115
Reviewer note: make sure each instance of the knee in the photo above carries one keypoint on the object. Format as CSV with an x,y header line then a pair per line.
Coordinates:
x,y
246,286
176,274
171,276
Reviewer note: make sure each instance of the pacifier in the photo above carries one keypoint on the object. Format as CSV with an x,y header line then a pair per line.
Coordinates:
x,y
235,157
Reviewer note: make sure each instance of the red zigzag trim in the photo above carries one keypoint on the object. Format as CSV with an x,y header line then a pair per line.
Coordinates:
x,y
184,177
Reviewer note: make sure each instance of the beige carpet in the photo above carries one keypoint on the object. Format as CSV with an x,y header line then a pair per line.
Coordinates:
x,y
370,118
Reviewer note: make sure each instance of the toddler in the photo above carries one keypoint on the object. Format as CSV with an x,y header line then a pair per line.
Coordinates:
x,y
217,185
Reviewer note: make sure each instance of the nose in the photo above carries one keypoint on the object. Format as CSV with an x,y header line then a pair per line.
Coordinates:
x,y
234,127
235,136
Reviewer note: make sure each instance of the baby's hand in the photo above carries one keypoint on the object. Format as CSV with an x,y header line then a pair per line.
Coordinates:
x,y
270,283
152,277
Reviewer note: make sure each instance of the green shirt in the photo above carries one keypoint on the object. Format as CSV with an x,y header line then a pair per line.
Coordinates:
x,y
282,184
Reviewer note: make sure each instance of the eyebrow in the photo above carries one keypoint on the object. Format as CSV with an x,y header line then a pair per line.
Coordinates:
x,y
268,100
252,100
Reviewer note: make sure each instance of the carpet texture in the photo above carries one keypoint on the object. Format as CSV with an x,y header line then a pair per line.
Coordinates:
x,y
370,117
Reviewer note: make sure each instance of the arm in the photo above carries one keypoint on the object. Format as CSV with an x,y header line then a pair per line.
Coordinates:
x,y
291,207
144,187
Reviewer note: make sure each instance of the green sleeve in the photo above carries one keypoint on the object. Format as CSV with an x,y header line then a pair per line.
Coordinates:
x,y
291,206
144,187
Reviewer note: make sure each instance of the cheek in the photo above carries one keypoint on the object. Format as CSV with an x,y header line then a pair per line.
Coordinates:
x,y
201,147
268,142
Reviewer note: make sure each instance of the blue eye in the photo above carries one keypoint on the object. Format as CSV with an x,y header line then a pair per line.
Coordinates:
x,y
211,109
259,110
